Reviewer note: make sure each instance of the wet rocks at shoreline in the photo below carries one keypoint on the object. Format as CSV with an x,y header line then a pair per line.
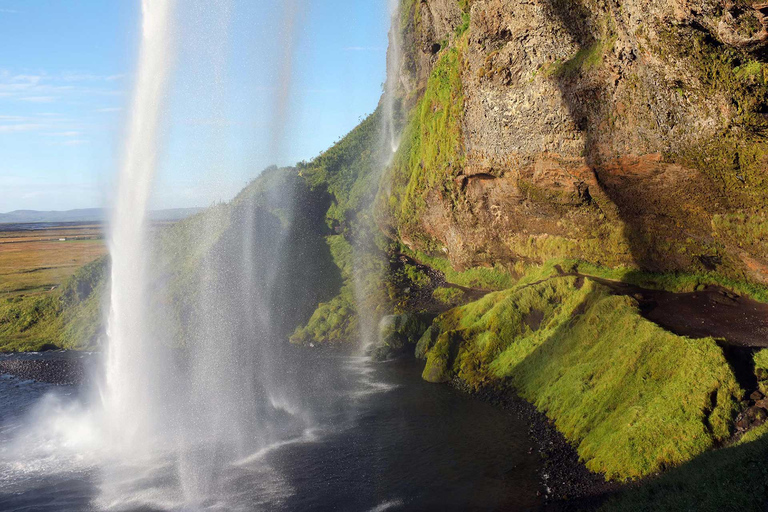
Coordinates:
x,y
59,371
567,483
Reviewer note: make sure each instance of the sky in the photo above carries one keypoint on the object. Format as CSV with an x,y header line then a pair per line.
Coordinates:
x,y
254,83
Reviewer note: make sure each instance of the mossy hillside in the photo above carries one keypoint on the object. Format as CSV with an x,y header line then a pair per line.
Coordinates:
x,y
71,317
678,282
731,478
497,277
761,369
334,321
736,157
349,172
632,405
431,151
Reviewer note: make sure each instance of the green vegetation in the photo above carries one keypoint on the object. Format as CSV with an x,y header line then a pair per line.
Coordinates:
x,y
736,157
431,151
486,278
349,172
761,369
632,405
70,317
451,297
680,282
730,478
584,60
334,321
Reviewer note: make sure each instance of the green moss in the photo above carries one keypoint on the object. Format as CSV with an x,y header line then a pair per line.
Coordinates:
x,y
736,157
332,322
583,61
449,296
633,405
431,150
761,369
488,278
70,317
731,478
672,281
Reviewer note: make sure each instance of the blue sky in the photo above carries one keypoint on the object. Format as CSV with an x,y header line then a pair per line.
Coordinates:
x,y
66,68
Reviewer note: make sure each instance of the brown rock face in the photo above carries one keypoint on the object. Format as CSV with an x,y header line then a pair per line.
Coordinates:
x,y
606,131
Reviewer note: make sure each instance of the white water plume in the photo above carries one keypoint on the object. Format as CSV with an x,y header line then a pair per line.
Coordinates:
x,y
127,390
391,133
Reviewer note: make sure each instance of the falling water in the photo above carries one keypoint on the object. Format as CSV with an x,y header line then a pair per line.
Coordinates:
x,y
391,133
127,390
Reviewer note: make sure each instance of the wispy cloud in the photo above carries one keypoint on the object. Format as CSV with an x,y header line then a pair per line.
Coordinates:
x,y
39,99
42,87
15,128
65,134
109,109
75,142
9,11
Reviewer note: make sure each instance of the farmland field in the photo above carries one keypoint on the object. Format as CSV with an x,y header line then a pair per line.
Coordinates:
x,y
38,258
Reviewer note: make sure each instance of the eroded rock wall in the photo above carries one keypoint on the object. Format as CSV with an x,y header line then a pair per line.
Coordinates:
x,y
621,132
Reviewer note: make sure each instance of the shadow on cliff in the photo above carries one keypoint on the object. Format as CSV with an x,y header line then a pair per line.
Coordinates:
x,y
631,190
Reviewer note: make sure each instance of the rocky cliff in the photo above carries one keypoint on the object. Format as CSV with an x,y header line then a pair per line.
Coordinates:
x,y
624,133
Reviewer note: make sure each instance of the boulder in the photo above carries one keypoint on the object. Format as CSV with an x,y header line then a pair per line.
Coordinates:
x,y
396,332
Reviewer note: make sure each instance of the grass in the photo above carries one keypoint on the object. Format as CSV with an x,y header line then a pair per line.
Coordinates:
x,y
35,261
633,405
69,317
731,478
431,151
487,278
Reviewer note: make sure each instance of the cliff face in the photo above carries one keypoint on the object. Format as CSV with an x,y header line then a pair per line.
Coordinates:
x,y
625,133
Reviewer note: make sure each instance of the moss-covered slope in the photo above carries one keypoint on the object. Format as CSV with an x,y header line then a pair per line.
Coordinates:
x,y
69,317
633,398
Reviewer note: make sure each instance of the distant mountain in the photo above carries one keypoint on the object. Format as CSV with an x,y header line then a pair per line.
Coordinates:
x,y
87,215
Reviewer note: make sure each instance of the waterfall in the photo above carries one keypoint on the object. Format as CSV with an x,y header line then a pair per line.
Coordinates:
x,y
391,133
127,390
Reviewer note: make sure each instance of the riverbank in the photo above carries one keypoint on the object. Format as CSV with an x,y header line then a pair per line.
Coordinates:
x,y
62,368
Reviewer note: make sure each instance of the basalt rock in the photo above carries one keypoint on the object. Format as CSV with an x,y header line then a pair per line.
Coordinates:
x,y
622,133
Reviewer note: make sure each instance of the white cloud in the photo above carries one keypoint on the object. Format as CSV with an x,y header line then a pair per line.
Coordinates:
x,y
9,11
15,128
65,134
15,118
39,99
109,109
75,142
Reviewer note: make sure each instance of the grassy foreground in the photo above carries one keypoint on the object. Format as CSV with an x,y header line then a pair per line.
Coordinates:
x,y
68,317
633,398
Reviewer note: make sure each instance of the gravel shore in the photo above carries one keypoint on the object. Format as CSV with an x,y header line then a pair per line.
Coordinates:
x,y
54,370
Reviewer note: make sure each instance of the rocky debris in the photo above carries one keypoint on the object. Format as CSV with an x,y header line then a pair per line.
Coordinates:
x,y
54,371
396,332
566,483
755,413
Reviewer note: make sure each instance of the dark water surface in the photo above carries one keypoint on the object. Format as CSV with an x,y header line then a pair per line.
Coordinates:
x,y
386,440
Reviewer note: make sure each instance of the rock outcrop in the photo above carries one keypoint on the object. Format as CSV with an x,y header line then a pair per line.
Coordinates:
x,y
622,133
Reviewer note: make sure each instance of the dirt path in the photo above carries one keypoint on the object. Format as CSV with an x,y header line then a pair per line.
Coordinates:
x,y
716,312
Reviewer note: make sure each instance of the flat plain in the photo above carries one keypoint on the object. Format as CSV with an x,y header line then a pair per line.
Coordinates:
x,y
38,258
